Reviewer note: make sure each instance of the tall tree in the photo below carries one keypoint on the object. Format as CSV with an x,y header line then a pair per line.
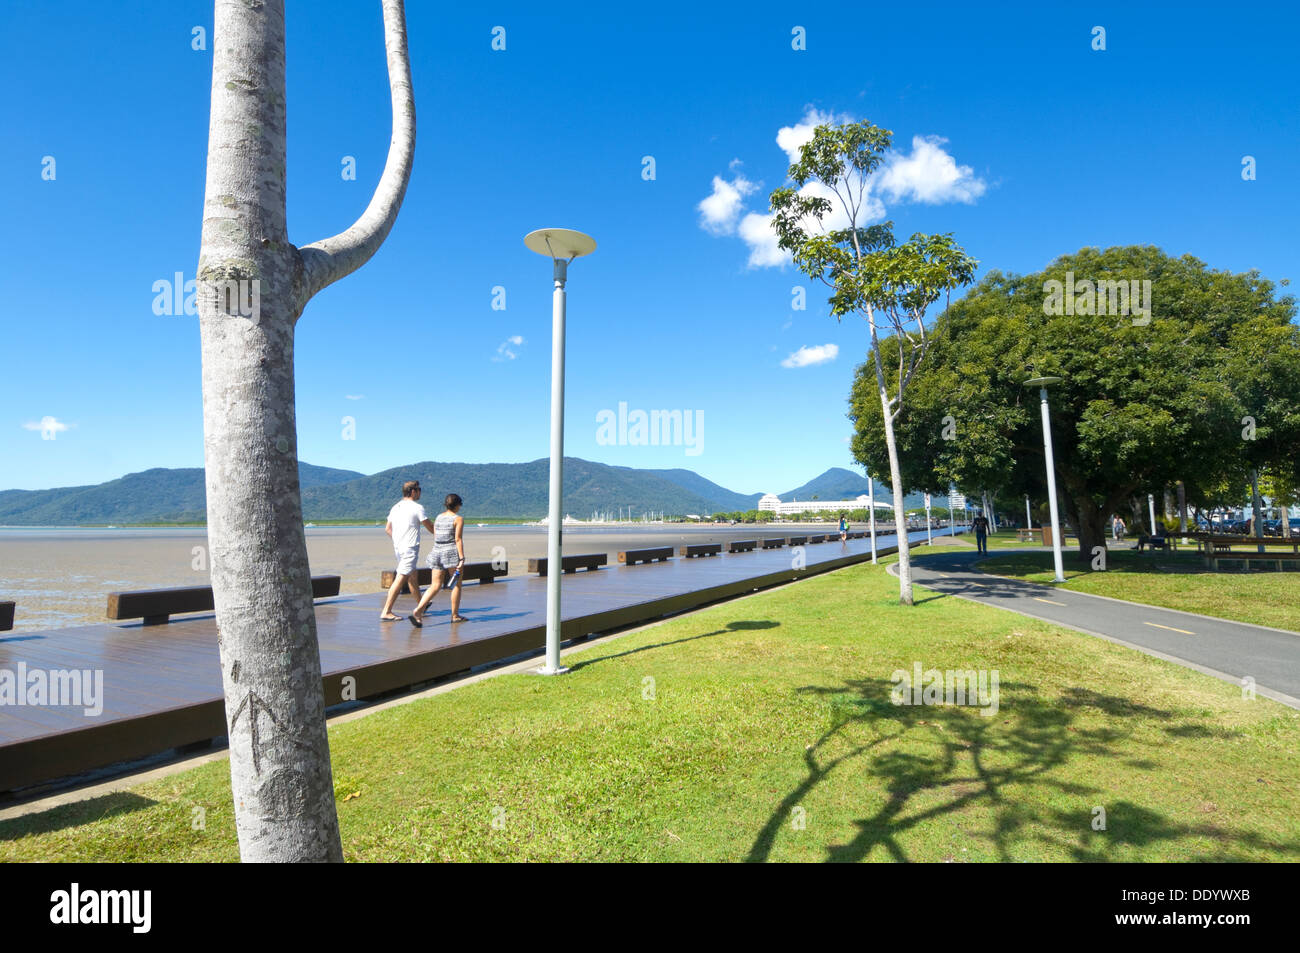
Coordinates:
x,y
1143,404
254,283
891,285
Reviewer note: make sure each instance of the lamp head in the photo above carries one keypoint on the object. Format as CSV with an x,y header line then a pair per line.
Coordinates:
x,y
560,243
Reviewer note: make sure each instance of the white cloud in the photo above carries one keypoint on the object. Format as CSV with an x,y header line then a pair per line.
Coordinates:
x,y
719,210
808,356
792,138
50,425
929,175
757,232
355,396
505,350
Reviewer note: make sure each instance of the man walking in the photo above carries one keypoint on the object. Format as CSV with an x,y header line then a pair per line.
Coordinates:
x,y
404,521
980,525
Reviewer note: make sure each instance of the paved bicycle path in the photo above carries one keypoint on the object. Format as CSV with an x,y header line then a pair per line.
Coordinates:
x,y
1218,647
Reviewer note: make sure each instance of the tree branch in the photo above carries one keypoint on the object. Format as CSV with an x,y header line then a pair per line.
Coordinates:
x,y
325,262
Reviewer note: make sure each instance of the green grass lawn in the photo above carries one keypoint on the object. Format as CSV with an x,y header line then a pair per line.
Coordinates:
x,y
1177,581
770,735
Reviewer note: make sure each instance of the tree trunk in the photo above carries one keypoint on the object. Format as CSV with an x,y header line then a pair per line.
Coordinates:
x,y
253,285
1257,508
1091,524
900,521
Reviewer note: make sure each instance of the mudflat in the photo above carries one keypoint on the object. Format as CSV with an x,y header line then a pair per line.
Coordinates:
x,y
62,577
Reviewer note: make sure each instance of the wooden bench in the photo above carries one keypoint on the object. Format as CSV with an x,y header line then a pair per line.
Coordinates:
x,y
819,538
742,545
1277,558
469,572
155,606
774,543
656,554
700,549
798,540
1026,535
587,561
6,616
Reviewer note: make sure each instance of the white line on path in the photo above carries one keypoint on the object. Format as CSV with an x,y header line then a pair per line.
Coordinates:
x,y
1169,627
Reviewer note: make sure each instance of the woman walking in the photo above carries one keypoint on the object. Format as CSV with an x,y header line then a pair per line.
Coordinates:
x,y
447,557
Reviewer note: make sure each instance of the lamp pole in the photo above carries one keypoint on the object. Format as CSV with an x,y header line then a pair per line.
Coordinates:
x,y
871,513
1151,509
1029,522
929,536
561,245
1042,383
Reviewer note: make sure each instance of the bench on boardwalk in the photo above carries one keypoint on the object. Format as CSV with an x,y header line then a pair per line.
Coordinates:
x,y
469,572
798,540
692,550
6,616
656,554
587,561
774,543
156,606
742,545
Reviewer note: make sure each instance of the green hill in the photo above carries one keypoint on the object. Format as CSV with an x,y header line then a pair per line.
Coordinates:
x,y
838,483
157,495
507,490
495,490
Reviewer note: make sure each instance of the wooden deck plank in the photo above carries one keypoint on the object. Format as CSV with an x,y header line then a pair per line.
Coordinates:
x,y
162,683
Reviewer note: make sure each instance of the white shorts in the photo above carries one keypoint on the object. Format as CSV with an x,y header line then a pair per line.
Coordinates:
x,y
406,560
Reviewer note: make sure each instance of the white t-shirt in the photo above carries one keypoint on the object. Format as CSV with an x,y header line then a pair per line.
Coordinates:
x,y
406,517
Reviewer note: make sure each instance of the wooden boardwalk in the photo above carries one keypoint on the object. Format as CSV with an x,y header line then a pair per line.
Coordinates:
x,y
162,683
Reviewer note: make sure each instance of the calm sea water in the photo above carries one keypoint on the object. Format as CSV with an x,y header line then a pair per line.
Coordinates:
x,y
61,576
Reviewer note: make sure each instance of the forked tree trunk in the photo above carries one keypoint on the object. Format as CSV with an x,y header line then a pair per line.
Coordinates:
x,y
253,285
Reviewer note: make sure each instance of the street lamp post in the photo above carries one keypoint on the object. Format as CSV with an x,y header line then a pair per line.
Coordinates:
x,y
561,245
1029,522
871,514
1151,508
929,536
1042,384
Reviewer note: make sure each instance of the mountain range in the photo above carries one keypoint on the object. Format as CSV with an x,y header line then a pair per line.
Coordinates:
x,y
497,490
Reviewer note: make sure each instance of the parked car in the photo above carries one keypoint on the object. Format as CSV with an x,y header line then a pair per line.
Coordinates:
x,y
1274,527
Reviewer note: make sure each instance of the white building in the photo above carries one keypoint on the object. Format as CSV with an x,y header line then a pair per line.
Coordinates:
x,y
772,502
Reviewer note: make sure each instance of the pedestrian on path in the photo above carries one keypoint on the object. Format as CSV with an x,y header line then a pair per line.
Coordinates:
x,y
404,522
446,559
980,525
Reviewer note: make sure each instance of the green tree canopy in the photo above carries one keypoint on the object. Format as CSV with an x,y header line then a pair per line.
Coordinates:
x,y
1145,401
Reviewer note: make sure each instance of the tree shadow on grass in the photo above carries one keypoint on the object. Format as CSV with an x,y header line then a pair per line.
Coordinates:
x,y
936,760
740,626
73,815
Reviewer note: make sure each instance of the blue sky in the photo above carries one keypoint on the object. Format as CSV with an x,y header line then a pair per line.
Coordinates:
x,y
1034,145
